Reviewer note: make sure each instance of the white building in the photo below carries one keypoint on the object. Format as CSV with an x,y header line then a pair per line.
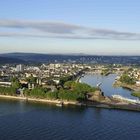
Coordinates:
x,y
138,83
19,68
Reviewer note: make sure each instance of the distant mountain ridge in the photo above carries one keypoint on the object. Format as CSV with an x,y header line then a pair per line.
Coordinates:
x,y
79,58
9,60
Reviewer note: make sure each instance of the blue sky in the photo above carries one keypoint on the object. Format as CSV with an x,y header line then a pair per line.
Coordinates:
x,y
103,27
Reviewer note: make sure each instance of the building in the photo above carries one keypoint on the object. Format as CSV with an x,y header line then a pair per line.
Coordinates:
x,y
19,68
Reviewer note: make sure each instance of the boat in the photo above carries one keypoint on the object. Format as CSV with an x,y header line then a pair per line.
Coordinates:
x,y
98,84
80,81
59,104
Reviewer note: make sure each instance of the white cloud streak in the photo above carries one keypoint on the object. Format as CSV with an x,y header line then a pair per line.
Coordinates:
x,y
42,29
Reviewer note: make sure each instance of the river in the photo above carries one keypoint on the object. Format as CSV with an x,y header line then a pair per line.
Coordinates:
x,y
20,120
106,86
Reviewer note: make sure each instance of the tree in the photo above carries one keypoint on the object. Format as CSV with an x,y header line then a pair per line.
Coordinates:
x,y
32,79
15,83
65,79
52,95
125,78
75,91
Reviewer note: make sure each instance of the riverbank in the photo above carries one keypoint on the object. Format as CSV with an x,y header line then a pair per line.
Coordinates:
x,y
119,106
114,104
136,94
131,87
38,100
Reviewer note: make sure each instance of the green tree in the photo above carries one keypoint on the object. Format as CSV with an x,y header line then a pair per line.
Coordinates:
x,y
15,83
65,79
52,95
125,78
32,79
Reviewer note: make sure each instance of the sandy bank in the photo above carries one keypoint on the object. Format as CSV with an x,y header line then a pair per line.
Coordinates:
x,y
38,100
120,105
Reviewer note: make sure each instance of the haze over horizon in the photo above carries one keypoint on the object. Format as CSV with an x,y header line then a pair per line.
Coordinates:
x,y
70,27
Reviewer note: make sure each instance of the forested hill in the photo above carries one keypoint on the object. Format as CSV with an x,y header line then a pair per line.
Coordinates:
x,y
78,58
9,60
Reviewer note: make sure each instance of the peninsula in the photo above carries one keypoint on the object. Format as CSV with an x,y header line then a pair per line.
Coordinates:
x,y
59,84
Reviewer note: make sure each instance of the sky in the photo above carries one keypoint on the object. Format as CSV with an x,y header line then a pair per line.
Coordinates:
x,y
98,27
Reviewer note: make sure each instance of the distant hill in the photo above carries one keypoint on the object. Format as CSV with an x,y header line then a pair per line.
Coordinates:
x,y
8,60
81,58
41,58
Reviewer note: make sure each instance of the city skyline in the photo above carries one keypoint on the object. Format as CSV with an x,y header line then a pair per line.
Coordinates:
x,y
63,27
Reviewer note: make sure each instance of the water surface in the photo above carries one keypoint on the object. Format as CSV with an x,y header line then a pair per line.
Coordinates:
x,y
106,86
20,120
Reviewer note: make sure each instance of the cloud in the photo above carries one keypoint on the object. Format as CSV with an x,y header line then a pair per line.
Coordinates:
x,y
26,28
